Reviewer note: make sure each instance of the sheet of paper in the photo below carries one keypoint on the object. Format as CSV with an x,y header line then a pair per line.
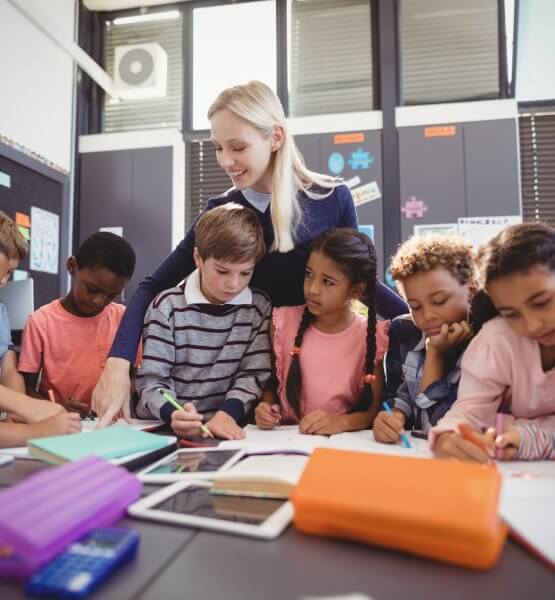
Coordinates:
x,y
537,469
363,441
20,452
45,239
138,424
286,437
527,506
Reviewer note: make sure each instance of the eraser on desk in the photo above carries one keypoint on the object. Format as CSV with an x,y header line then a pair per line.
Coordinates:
x,y
45,513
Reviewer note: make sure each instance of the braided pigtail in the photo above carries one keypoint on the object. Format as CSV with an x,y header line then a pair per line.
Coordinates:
x,y
294,382
365,401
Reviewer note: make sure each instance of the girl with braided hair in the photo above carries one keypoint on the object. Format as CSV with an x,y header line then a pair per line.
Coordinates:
x,y
328,358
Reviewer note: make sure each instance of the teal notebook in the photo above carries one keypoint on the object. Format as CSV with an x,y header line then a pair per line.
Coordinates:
x,y
111,442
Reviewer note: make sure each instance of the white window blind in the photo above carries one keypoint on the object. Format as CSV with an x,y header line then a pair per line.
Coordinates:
x,y
205,178
449,50
232,44
537,165
330,56
149,113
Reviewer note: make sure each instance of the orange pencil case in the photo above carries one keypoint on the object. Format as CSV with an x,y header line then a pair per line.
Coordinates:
x,y
439,509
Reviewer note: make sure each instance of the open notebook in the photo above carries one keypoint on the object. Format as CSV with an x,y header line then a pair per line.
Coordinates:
x,y
288,438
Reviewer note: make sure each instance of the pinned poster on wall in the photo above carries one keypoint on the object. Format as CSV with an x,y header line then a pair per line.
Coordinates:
x,y
115,230
45,236
366,193
367,230
440,228
479,230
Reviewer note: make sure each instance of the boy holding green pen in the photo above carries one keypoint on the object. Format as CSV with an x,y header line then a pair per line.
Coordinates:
x,y
206,348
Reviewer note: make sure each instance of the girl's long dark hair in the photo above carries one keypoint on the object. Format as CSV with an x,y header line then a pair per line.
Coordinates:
x,y
516,248
355,255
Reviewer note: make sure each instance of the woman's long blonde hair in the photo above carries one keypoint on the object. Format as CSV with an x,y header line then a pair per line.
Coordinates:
x,y
257,104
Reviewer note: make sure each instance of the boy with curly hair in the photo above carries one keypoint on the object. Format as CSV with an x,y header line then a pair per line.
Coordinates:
x,y
436,276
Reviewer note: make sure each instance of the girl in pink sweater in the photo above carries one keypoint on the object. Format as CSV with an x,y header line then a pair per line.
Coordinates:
x,y
509,367
329,358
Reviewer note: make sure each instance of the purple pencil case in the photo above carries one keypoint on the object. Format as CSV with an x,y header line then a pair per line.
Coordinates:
x,y
44,514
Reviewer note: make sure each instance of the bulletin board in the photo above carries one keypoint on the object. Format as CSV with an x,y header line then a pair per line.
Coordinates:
x,y
356,157
23,187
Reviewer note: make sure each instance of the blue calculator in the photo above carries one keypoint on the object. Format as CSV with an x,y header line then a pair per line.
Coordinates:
x,y
77,571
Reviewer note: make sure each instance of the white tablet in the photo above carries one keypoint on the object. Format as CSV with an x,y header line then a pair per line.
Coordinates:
x,y
190,463
191,503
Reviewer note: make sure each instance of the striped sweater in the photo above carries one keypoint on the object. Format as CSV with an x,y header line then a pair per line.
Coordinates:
x,y
216,356
535,443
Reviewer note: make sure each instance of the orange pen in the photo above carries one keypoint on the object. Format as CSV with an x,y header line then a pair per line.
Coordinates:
x,y
471,437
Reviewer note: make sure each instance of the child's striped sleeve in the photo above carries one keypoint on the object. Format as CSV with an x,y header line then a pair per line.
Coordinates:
x,y
535,443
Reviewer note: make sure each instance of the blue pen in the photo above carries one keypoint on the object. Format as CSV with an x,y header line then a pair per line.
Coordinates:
x,y
404,437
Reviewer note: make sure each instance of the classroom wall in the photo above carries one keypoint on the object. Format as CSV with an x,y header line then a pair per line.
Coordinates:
x,y
36,84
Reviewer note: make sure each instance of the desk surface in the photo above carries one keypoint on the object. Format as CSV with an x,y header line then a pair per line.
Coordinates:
x,y
180,563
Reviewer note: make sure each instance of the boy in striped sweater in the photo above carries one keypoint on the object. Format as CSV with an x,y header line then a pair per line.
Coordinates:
x,y
206,341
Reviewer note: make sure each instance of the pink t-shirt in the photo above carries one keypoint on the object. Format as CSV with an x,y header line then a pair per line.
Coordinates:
x,y
72,350
501,370
332,364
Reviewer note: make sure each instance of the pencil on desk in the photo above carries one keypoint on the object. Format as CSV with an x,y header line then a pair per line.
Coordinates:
x,y
404,437
178,406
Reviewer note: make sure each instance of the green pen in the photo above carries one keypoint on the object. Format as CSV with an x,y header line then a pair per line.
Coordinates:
x,y
176,404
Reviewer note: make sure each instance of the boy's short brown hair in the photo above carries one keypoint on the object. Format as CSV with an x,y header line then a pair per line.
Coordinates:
x,y
230,232
12,242
424,253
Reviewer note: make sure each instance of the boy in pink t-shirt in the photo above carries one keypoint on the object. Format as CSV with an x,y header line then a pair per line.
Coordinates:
x,y
69,339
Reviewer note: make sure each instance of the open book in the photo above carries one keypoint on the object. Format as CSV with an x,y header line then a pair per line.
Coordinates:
x,y
288,438
272,476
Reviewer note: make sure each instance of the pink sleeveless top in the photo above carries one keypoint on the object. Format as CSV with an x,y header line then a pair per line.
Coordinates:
x,y
332,364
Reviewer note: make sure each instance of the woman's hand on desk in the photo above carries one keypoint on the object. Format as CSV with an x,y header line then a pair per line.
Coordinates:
x,y
110,398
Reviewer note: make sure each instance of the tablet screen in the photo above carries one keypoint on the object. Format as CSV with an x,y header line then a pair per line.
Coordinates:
x,y
192,462
200,502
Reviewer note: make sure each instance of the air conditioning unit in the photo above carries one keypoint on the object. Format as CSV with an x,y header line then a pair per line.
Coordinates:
x,y
141,71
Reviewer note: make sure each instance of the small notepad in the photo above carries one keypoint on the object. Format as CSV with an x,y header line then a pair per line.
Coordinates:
x,y
111,442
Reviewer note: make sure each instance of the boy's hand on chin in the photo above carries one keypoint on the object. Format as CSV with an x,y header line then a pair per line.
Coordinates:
x,y
449,337
221,425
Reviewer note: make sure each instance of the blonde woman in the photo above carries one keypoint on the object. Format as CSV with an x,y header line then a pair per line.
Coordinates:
x,y
294,205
